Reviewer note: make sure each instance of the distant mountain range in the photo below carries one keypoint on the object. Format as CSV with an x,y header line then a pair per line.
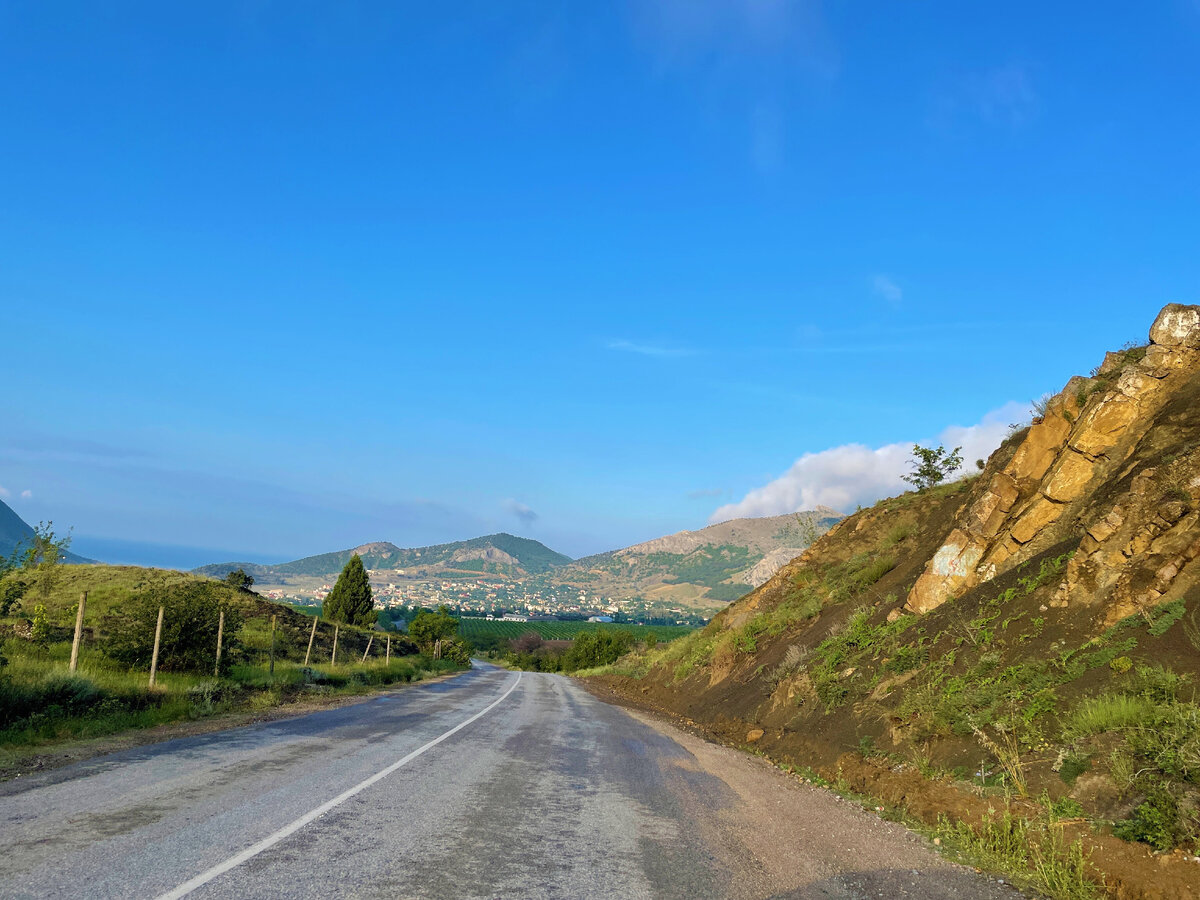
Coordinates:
x,y
496,553
703,568
698,569
15,532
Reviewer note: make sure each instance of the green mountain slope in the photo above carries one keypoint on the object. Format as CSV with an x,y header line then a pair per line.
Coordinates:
x,y
701,569
479,554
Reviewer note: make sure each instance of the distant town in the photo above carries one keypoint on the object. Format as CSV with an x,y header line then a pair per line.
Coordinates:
x,y
510,599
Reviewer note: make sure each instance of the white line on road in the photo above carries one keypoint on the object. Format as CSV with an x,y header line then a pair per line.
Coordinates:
x,y
271,840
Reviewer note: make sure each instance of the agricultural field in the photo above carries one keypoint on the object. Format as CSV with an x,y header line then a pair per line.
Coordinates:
x,y
471,629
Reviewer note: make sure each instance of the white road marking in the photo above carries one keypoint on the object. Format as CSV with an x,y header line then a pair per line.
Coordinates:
x,y
272,839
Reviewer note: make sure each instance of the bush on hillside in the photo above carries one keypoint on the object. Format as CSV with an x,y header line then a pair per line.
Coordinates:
x,y
191,613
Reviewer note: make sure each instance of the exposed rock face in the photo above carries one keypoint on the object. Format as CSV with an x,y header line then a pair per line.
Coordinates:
x,y
1177,326
1084,466
488,554
762,570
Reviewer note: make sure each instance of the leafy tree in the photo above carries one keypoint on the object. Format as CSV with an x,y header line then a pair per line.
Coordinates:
x,y
239,580
428,627
41,555
457,651
190,620
597,648
350,601
931,466
44,547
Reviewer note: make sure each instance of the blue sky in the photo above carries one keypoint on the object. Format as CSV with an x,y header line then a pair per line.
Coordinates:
x,y
279,278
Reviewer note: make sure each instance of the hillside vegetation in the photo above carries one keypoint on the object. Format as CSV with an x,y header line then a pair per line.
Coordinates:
x,y
41,701
1018,651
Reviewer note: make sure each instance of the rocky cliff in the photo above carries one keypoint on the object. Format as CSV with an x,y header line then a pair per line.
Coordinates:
x,y
1112,457
1031,631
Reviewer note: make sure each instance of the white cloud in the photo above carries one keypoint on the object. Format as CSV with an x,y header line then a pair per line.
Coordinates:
x,y
26,495
887,288
521,511
854,474
642,349
4,492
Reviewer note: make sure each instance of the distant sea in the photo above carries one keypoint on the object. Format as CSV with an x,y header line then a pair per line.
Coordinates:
x,y
119,552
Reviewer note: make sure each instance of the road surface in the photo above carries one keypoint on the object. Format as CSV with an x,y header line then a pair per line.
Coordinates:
x,y
493,784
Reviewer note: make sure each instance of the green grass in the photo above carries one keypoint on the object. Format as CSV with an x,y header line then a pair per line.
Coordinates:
x,y
1157,761
1031,852
41,702
1108,712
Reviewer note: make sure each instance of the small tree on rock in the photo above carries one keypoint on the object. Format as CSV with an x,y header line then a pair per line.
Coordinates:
x,y
350,601
932,466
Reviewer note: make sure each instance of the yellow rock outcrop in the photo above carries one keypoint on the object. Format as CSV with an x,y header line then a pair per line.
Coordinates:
x,y
1133,551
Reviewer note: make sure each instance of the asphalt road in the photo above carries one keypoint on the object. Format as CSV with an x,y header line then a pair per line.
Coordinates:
x,y
492,784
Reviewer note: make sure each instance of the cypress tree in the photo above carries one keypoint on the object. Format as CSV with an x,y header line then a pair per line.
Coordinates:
x,y
350,600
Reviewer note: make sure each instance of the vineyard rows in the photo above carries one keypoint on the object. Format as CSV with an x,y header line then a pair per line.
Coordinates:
x,y
560,631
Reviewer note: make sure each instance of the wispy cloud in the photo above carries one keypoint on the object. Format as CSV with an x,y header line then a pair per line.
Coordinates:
x,y
4,492
1004,96
526,515
854,474
886,287
26,495
705,493
59,448
719,32
744,55
645,349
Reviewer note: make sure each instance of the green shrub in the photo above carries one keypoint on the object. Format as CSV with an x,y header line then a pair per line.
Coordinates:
x,y
191,613
1072,767
1121,665
1154,822
1165,616
597,648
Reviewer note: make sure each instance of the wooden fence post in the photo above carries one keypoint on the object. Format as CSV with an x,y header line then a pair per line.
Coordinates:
x,y
333,656
220,637
273,646
368,650
311,637
78,631
389,650
157,641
